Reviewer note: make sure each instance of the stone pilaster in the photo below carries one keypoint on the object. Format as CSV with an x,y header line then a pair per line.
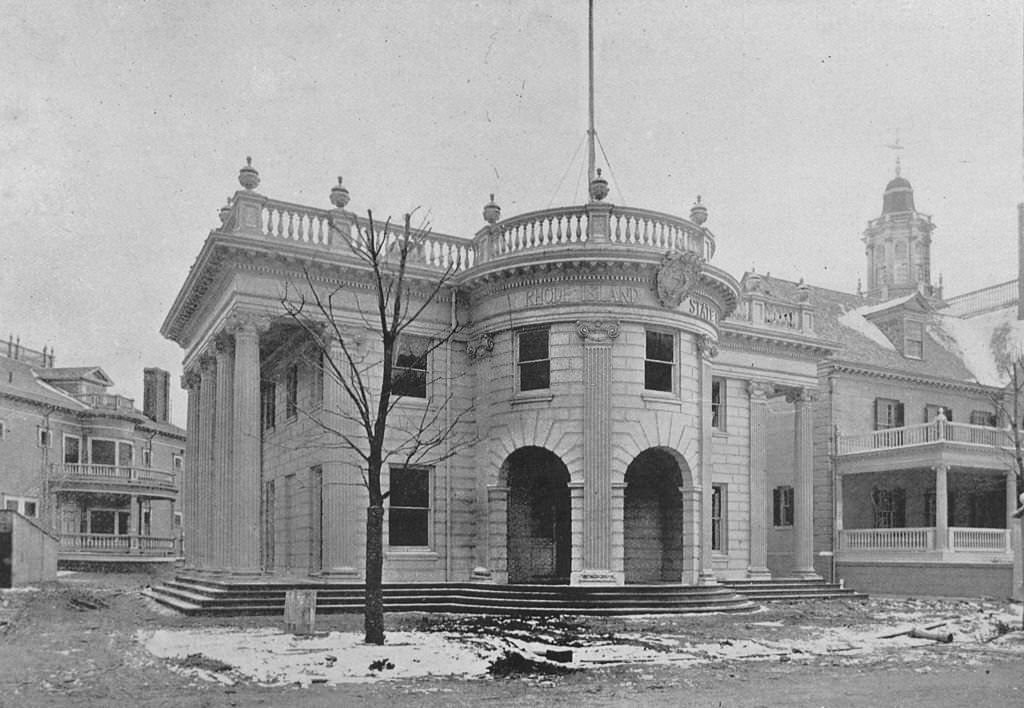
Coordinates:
x,y
190,381
803,488
691,534
707,349
244,500
497,532
205,511
757,567
941,506
223,440
596,567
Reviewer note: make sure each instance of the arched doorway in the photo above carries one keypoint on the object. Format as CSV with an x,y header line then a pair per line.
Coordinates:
x,y
539,530
653,519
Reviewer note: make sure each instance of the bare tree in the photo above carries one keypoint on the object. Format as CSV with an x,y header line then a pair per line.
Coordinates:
x,y
373,378
1009,402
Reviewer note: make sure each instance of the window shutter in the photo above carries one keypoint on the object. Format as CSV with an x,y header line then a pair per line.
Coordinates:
x,y
899,415
899,507
777,507
879,413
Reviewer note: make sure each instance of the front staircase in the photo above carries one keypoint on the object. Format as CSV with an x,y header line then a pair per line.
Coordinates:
x,y
194,594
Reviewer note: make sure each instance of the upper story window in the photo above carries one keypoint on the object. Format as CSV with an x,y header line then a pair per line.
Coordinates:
x,y
117,453
931,412
409,372
44,437
983,418
268,405
26,506
147,458
782,506
718,410
888,413
534,360
659,361
913,340
409,507
291,392
72,449
177,462
317,386
3,430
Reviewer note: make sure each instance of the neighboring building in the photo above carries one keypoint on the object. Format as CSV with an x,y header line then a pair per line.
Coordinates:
x,y
638,415
85,463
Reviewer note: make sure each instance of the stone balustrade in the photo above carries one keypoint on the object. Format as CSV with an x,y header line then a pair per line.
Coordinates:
x,y
114,474
107,401
923,434
962,539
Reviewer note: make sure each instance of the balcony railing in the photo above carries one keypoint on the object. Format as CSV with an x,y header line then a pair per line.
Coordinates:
x,y
128,544
925,434
107,401
958,539
612,226
140,476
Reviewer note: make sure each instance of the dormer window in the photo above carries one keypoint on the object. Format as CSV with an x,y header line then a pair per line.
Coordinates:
x,y
913,340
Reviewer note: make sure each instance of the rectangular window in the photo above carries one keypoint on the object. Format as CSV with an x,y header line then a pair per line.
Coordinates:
x,y
44,437
125,454
913,340
268,405
659,361
409,373
26,506
718,403
11,504
147,458
718,517
72,449
983,418
409,507
30,509
890,507
291,392
177,462
3,430
888,413
103,452
317,386
931,412
782,506
534,361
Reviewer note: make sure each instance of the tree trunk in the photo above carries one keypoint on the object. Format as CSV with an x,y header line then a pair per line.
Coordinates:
x,y
373,616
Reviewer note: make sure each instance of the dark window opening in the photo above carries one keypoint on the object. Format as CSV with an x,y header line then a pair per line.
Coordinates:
x,y
268,412
718,403
291,397
717,518
658,362
409,373
782,506
534,364
409,507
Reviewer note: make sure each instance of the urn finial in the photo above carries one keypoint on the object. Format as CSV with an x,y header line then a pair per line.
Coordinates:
x,y
225,212
492,212
598,187
698,212
339,194
248,176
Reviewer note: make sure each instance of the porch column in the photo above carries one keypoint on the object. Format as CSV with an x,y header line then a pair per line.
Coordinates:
x,y
757,567
243,504
707,349
133,523
596,568
204,463
803,491
221,477
189,490
941,506
344,495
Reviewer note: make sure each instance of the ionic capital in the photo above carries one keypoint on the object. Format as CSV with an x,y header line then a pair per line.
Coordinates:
x,y
707,347
224,343
207,363
190,380
244,322
801,395
597,331
480,346
760,390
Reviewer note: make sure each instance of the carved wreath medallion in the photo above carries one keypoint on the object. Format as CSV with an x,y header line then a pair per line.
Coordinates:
x,y
677,277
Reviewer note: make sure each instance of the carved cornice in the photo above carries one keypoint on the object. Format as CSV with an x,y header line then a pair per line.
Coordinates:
x,y
801,395
840,367
598,331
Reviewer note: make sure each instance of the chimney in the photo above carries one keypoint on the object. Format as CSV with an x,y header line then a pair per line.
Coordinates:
x,y
156,394
1020,261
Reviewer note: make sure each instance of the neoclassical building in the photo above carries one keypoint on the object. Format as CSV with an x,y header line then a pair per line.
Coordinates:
x,y
622,411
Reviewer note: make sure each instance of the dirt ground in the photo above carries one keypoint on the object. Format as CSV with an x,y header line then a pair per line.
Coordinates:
x,y
76,643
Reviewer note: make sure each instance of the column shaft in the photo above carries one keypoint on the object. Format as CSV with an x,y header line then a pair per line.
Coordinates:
x,y
758,563
803,492
188,482
245,480
204,463
706,573
941,507
221,476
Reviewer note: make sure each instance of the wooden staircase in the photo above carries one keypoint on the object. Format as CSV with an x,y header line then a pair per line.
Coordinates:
x,y
193,594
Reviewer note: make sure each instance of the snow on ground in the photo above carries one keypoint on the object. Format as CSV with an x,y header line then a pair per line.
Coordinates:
x,y
272,657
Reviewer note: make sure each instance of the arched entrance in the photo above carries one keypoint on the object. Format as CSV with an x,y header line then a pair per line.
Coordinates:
x,y
653,519
539,524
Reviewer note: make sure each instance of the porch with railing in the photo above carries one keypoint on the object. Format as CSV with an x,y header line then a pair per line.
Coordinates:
x,y
959,539
124,545
938,431
114,474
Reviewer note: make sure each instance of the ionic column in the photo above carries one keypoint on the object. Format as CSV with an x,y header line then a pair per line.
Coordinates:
x,y
707,349
245,480
941,506
803,488
220,478
205,512
134,517
758,564
189,481
596,567
343,493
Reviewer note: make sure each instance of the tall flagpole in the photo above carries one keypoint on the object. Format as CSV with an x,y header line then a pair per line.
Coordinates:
x,y
591,174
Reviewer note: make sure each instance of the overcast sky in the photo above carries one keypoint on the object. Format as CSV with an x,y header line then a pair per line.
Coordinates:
x,y
124,125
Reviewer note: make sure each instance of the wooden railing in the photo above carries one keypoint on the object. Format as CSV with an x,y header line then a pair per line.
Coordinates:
x,y
924,434
114,474
118,544
960,539
107,401
968,539
991,298
906,539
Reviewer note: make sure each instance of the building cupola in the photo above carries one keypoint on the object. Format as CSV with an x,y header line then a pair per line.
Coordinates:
x,y
899,195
